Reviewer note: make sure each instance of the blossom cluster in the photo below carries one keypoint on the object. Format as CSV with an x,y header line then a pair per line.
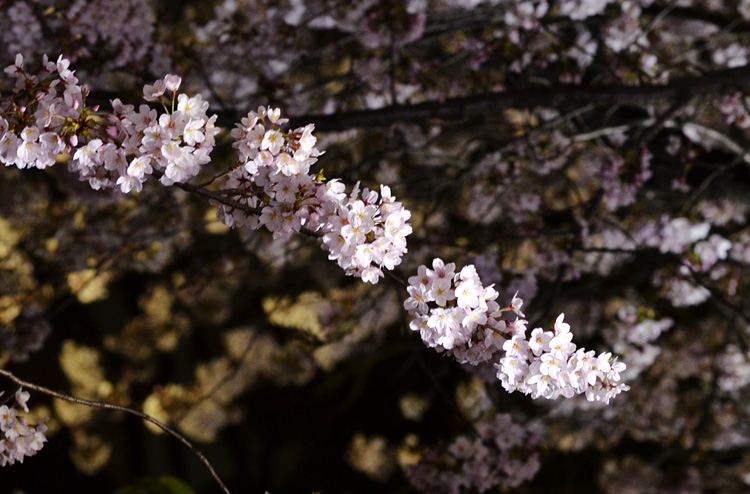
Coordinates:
x,y
734,107
175,143
498,456
20,30
735,369
47,116
636,332
20,438
365,235
455,312
273,176
674,235
125,28
41,119
274,181
700,253
548,365
106,35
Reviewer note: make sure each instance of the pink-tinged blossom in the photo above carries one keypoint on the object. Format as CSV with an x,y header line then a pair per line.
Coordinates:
x,y
172,82
516,304
129,183
517,346
193,106
17,68
50,99
272,140
561,345
470,327
539,341
363,235
193,134
20,439
481,462
172,143
560,326
711,251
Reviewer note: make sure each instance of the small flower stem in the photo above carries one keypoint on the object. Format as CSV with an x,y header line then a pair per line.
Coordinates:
x,y
396,278
110,406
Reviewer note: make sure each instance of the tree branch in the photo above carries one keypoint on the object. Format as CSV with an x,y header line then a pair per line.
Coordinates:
x,y
110,406
560,97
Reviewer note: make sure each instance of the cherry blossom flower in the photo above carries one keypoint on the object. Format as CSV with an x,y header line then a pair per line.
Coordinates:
x,y
21,439
471,328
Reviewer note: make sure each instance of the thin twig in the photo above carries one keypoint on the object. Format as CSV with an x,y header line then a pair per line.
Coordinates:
x,y
650,132
110,406
197,190
215,177
705,184
215,196
194,189
607,131
396,278
710,137
718,296
179,417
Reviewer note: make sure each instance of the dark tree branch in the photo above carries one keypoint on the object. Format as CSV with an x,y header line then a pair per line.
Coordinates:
x,y
560,97
120,408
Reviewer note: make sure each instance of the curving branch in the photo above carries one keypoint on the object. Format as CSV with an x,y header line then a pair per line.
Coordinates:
x,y
110,406
236,366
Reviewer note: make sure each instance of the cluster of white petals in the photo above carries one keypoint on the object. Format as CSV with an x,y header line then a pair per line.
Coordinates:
x,y
42,107
175,143
456,313
549,365
47,116
699,253
276,190
272,187
273,177
365,235
21,439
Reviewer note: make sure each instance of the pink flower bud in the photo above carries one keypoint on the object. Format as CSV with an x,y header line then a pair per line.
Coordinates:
x,y
172,82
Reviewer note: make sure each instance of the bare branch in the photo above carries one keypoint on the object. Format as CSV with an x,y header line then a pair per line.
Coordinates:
x,y
110,406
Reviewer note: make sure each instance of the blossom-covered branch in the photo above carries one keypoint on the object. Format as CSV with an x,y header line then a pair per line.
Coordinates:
x,y
272,177
455,313
271,185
